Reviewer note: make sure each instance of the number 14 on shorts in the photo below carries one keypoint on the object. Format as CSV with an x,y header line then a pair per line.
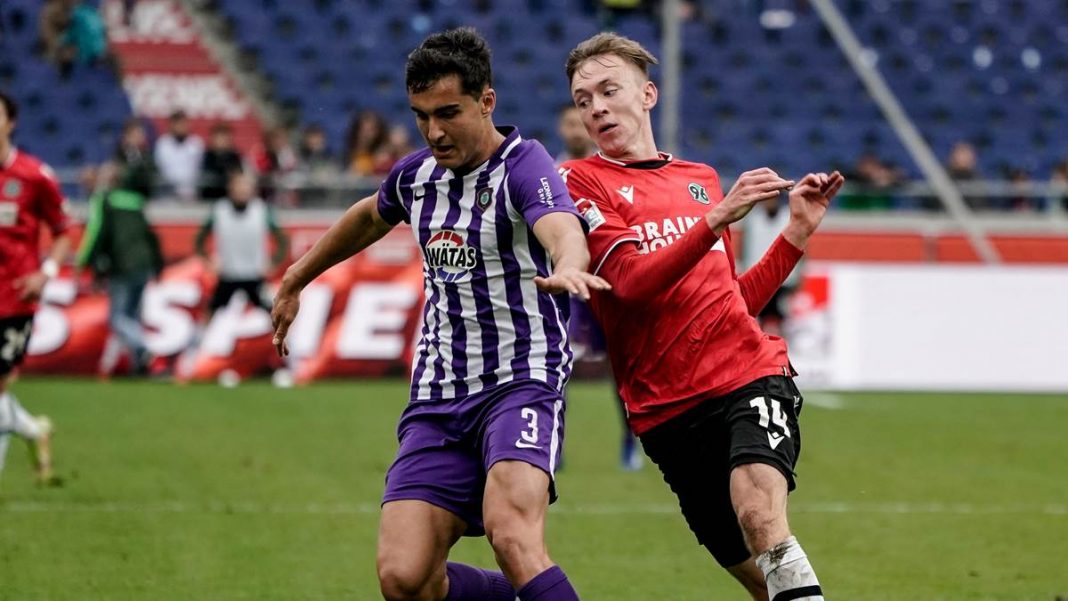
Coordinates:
x,y
770,412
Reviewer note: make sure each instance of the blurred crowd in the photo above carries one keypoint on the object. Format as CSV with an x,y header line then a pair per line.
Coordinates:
x,y
292,168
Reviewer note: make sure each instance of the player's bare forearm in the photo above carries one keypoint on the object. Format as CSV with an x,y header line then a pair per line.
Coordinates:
x,y
61,245
561,234
357,229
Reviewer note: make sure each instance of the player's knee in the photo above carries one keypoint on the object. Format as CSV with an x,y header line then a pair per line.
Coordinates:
x,y
400,581
514,544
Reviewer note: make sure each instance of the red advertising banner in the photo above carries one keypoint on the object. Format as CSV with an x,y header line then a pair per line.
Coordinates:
x,y
358,319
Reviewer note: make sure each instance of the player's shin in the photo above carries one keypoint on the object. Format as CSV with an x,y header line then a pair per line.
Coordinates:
x,y
789,574
468,583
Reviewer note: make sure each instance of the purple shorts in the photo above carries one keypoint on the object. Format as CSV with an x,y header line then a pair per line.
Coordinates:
x,y
446,447
584,333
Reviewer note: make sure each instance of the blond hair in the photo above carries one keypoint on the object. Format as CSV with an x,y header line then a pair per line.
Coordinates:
x,y
610,43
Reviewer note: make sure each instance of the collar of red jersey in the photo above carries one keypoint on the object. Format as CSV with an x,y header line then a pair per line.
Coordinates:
x,y
11,158
663,156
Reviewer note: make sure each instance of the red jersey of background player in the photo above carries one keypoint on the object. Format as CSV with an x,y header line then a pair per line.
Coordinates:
x,y
695,337
29,196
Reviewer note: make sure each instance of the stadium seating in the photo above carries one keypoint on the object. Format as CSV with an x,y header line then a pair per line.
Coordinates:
x,y
988,72
67,122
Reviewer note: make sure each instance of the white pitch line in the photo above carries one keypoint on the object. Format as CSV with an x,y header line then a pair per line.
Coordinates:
x,y
825,400
253,508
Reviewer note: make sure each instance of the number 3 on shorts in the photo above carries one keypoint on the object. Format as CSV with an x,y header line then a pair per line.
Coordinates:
x,y
531,435
776,416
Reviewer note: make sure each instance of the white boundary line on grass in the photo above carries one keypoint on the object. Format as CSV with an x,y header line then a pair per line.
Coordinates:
x,y
247,507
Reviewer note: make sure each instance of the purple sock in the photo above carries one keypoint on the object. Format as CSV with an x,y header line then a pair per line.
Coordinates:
x,y
467,583
550,585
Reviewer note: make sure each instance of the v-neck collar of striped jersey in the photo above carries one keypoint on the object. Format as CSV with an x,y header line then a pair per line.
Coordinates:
x,y
10,158
511,139
664,159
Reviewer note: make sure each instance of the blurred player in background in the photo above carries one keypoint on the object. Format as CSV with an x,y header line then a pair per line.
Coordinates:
x,y
29,198
239,225
502,243
121,249
708,393
759,231
587,339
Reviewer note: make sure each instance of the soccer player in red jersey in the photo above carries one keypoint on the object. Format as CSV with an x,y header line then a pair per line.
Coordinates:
x,y
29,197
710,395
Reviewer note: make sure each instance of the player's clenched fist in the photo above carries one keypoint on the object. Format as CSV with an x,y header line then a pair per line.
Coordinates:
x,y
750,188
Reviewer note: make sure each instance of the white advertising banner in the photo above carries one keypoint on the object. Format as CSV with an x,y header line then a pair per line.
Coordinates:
x,y
916,327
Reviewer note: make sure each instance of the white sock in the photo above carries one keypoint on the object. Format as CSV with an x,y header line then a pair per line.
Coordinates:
x,y
5,438
788,573
13,418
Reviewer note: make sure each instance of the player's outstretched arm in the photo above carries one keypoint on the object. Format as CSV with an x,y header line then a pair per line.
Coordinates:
x,y
561,234
357,229
638,278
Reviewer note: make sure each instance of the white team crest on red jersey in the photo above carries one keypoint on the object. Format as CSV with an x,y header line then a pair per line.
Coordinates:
x,y
12,188
697,191
627,192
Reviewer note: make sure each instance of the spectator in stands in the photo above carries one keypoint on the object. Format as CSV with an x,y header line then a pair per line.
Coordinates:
x,y
577,143
87,35
1022,197
963,167
315,155
875,184
179,154
134,157
1058,200
52,27
398,145
120,246
220,160
273,160
317,164
367,137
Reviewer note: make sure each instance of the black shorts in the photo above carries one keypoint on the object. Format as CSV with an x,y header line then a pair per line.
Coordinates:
x,y
14,340
226,289
697,451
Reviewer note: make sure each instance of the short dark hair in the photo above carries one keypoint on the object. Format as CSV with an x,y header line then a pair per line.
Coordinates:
x,y
10,106
461,51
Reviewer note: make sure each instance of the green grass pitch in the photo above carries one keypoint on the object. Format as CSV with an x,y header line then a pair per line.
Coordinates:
x,y
255,493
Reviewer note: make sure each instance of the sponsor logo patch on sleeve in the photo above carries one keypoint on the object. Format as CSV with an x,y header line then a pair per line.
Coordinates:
x,y
590,213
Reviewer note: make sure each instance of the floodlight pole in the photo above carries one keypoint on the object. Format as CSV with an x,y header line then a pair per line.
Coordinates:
x,y
671,75
905,129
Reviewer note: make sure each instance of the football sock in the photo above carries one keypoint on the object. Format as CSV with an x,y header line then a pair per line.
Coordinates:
x,y
468,583
788,573
5,438
16,419
550,585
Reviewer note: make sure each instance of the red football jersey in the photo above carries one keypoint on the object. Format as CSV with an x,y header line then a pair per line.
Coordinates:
x,y
29,196
696,338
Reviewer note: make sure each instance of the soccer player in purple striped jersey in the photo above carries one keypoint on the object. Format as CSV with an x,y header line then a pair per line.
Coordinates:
x,y
502,243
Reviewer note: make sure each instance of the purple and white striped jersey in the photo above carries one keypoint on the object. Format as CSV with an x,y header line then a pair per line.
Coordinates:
x,y
484,322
